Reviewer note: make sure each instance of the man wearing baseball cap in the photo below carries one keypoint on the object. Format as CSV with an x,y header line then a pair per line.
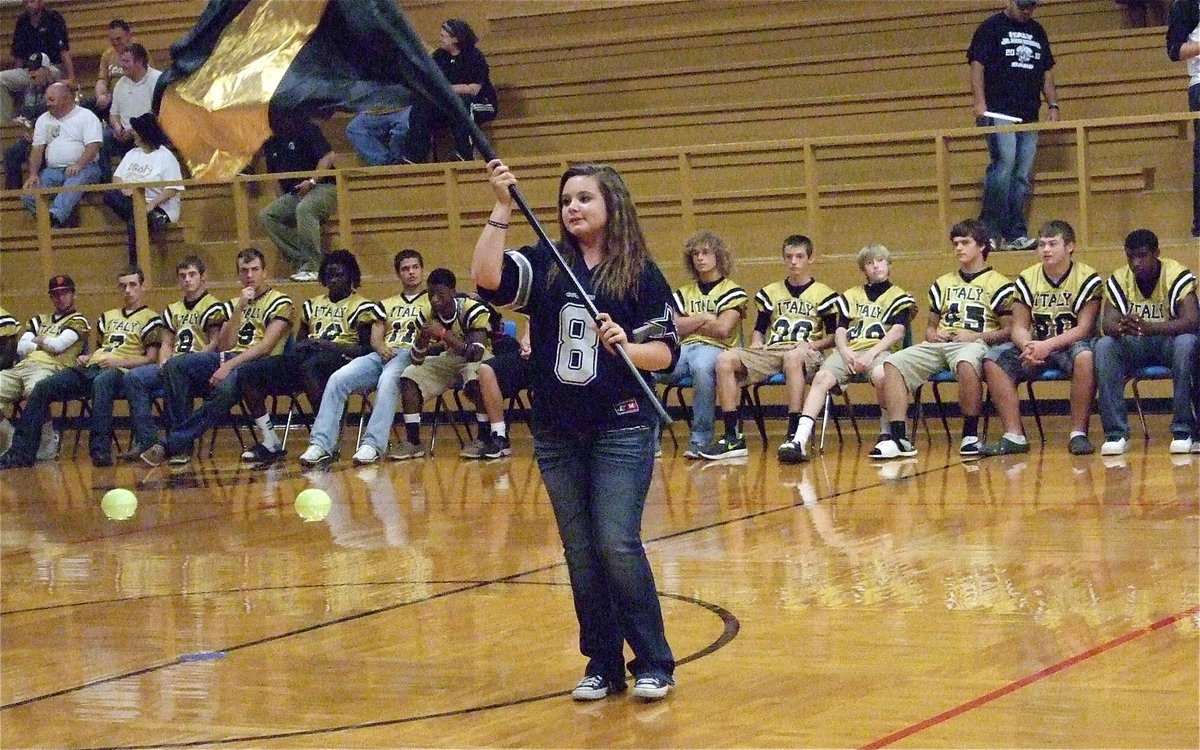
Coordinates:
x,y
38,30
50,343
41,75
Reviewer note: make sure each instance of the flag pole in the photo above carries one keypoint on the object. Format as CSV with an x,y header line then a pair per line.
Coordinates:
x,y
425,78
485,148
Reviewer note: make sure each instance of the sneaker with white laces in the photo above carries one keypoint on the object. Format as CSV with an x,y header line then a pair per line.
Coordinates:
x,y
366,454
1114,447
652,688
1180,445
405,451
315,455
594,687
888,449
726,447
970,446
1021,243
473,449
791,452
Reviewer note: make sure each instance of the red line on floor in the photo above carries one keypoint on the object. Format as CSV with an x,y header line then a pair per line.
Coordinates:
x,y
1027,680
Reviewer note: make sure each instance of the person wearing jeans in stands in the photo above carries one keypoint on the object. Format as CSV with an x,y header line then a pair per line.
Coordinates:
x,y
1183,44
1010,68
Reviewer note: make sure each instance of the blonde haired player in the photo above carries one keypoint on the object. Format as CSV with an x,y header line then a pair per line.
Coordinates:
x,y
878,314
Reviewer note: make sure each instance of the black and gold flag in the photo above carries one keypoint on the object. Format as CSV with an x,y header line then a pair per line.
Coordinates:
x,y
249,63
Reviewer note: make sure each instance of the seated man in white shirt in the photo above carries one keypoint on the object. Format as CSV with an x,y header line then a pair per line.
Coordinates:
x,y
66,142
132,97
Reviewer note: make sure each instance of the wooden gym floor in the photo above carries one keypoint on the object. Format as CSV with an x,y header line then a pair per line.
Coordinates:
x,y
1042,601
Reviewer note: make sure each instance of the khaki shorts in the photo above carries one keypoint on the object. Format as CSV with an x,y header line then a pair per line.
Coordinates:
x,y
836,366
18,381
919,361
440,373
761,364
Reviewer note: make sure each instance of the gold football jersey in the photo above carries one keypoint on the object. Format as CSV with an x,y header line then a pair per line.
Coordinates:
x,y
51,325
268,306
1175,281
1055,305
403,315
126,334
799,317
725,294
971,303
869,320
338,321
190,322
9,326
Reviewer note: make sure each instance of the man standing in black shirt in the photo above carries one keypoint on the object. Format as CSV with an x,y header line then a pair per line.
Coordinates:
x,y
38,29
1183,45
1010,67
293,220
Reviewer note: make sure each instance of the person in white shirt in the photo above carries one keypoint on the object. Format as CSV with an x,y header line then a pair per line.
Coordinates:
x,y
149,161
132,95
66,140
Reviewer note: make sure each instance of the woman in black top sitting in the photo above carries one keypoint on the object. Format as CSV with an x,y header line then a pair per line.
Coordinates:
x,y
467,70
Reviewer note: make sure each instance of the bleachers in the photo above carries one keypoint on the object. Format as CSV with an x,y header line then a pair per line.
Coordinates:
x,y
844,119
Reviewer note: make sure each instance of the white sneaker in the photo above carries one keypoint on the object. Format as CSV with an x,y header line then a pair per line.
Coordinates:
x,y
1180,445
48,449
366,454
304,276
315,455
1114,447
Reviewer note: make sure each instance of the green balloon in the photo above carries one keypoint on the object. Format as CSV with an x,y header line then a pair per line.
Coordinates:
x,y
313,504
118,504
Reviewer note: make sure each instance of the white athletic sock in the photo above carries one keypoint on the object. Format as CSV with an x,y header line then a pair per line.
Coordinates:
x,y
267,430
804,429
500,428
1013,437
1080,433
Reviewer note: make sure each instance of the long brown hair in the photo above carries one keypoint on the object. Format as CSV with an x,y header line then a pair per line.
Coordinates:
x,y
624,253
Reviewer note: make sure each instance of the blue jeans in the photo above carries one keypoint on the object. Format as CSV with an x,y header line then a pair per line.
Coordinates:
x,y
187,377
1117,358
141,386
367,133
1194,106
64,203
597,485
102,385
1006,181
699,362
361,375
